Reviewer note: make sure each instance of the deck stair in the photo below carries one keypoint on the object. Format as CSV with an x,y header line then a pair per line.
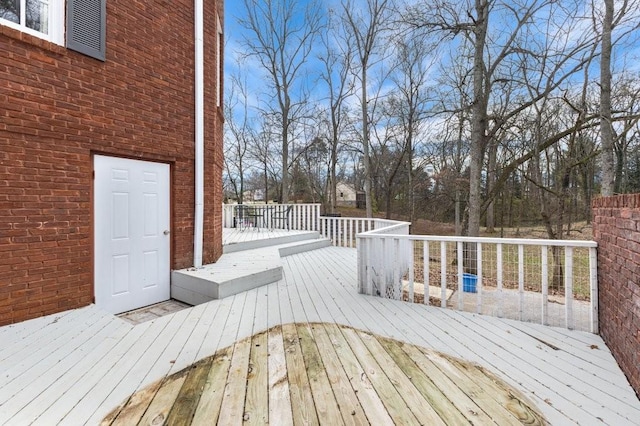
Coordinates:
x,y
243,266
270,242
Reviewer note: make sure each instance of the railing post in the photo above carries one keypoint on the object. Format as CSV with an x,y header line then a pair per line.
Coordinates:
x,y
520,282
460,259
499,271
479,295
593,285
443,274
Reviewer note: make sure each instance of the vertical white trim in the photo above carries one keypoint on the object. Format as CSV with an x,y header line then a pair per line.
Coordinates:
x,y
219,64
198,231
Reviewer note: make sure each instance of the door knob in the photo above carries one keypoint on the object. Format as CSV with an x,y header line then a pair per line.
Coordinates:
x,y
166,232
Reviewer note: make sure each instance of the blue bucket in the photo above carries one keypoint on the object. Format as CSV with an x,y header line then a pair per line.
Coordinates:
x,y
469,283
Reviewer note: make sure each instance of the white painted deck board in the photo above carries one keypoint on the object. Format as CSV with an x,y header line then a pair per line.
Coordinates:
x,y
580,384
66,401
205,315
60,380
542,372
235,235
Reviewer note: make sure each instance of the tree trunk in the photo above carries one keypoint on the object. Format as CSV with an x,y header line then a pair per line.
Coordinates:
x,y
478,119
491,173
606,129
478,131
284,192
365,145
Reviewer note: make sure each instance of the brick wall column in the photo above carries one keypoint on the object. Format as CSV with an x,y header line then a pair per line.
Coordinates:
x,y
616,228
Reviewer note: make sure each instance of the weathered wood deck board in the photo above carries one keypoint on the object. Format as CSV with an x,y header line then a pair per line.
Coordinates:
x,y
325,403
392,389
257,403
367,397
403,402
210,402
279,396
318,286
302,406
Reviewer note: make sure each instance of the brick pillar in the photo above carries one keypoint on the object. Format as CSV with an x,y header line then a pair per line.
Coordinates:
x,y
616,228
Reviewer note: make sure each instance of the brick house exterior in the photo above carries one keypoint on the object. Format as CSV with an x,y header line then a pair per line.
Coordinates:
x,y
59,108
616,228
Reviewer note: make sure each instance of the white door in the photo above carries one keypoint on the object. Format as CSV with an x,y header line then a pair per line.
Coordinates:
x,y
131,233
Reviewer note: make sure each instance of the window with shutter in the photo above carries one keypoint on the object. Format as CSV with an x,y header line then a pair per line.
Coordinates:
x,y
86,27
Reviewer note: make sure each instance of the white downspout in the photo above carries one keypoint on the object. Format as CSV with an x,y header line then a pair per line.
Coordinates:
x,y
198,225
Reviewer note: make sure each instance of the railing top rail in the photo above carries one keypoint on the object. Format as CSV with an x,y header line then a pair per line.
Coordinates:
x,y
488,240
251,203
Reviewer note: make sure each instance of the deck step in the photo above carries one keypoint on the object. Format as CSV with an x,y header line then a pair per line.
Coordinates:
x,y
236,272
303,246
270,242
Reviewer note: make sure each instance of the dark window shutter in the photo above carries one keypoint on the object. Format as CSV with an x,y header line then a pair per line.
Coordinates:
x,y
86,22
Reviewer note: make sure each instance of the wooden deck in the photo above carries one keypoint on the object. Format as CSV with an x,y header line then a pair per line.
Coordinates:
x,y
309,374
77,366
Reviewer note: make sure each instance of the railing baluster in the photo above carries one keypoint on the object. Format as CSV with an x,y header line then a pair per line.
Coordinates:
x,y
568,287
544,260
443,274
520,282
499,273
460,260
425,270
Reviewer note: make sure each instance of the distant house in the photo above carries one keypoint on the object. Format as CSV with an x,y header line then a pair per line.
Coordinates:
x,y
253,195
346,195
110,151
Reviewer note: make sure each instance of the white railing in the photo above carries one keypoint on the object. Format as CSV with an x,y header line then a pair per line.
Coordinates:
x,y
553,282
342,231
304,217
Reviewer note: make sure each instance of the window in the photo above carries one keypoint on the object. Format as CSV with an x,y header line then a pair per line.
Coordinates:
x,y
41,18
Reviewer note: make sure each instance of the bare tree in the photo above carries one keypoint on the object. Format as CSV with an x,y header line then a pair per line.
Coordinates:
x,y
336,60
238,134
366,27
411,80
281,35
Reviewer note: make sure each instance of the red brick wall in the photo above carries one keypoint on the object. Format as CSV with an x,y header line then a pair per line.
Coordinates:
x,y
58,108
616,228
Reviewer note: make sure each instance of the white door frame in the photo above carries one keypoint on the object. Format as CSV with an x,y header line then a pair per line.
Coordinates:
x,y
132,242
